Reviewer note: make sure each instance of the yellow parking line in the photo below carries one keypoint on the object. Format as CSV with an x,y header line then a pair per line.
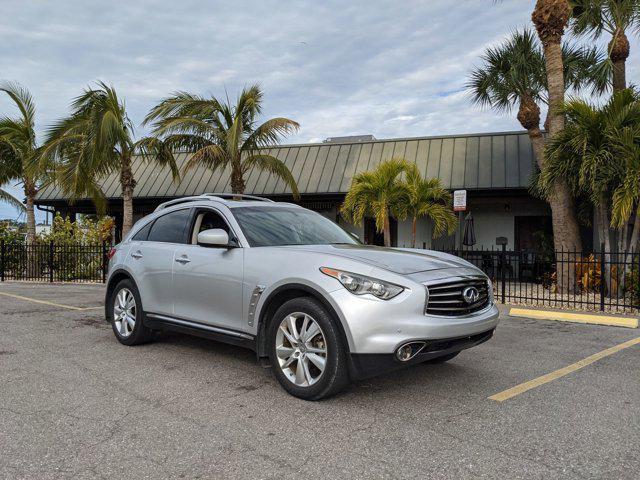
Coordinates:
x,y
575,317
536,382
45,302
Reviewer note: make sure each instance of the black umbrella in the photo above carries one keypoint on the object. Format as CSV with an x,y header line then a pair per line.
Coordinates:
x,y
469,238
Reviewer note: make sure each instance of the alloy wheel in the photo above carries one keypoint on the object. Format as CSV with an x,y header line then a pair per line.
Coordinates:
x,y
124,312
301,349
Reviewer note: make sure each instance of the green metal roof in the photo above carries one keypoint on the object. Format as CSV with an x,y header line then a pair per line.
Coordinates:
x,y
480,161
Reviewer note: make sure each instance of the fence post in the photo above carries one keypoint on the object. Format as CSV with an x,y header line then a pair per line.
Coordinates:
x,y
2,253
503,270
603,280
104,261
51,253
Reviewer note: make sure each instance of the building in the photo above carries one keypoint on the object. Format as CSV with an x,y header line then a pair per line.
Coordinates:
x,y
494,168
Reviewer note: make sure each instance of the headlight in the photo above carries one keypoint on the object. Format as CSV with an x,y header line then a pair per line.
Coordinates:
x,y
361,285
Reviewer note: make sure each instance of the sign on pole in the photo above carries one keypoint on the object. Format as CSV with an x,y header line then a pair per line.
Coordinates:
x,y
459,200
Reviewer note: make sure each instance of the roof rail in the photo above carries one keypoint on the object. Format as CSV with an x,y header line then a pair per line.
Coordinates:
x,y
234,196
211,196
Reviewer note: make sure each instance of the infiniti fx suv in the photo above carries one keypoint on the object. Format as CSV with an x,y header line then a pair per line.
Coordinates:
x,y
307,296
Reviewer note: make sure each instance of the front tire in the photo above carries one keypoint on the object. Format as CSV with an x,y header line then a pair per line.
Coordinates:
x,y
306,350
126,315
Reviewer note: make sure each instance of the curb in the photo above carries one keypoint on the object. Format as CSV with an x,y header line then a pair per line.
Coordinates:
x,y
609,320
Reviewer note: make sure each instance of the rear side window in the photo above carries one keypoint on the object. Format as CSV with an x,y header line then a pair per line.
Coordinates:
x,y
170,228
143,234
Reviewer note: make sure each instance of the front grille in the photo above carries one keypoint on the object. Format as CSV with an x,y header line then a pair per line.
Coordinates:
x,y
447,298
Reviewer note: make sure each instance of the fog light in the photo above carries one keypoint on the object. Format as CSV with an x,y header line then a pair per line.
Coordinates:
x,y
409,350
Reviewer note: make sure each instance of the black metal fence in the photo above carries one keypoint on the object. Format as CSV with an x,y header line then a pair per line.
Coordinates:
x,y
601,281
53,262
567,279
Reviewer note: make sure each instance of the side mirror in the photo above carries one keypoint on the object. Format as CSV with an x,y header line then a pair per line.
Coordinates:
x,y
215,237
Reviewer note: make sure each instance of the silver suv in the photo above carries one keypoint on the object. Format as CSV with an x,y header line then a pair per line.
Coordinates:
x,y
296,288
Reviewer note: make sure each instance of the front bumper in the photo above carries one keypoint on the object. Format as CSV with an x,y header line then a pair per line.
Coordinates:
x,y
370,364
379,327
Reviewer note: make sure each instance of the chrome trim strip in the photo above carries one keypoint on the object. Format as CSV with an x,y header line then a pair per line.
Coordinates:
x,y
200,326
253,302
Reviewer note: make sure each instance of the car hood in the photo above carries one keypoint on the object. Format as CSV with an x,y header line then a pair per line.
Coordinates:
x,y
401,261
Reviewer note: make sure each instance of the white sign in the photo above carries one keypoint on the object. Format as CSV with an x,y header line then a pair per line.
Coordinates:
x,y
459,200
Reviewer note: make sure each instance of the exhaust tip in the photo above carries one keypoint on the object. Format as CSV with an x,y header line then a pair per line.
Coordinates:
x,y
406,352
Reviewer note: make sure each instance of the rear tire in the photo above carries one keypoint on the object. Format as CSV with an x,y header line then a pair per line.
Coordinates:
x,y
442,359
124,311
306,350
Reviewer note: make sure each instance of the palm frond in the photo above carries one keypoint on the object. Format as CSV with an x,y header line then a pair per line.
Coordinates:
x,y
7,197
211,156
270,133
218,133
153,149
22,99
275,166
378,193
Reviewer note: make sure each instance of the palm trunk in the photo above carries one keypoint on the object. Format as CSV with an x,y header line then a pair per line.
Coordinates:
x,y
237,181
30,194
555,80
619,75
605,238
566,232
633,247
618,53
537,142
32,256
551,18
413,232
387,231
128,185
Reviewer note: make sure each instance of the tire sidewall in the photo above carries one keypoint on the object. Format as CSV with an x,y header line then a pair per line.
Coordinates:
x,y
335,348
139,333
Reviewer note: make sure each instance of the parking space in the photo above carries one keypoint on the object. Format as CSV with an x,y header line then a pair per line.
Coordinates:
x,y
75,403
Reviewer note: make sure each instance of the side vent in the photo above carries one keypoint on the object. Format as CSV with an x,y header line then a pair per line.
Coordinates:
x,y
255,297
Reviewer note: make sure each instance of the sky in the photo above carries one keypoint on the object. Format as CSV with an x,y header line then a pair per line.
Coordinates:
x,y
385,68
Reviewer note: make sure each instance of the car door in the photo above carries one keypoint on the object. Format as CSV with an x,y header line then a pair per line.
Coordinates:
x,y
207,281
151,259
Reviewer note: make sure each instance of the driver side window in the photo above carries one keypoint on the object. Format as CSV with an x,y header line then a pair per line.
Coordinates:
x,y
206,220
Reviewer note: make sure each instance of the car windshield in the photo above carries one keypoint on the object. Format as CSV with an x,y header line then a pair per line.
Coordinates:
x,y
273,226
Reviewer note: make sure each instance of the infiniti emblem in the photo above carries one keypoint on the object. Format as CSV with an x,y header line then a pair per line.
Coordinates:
x,y
470,295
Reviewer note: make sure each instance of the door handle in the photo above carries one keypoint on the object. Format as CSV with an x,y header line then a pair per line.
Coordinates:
x,y
182,260
136,255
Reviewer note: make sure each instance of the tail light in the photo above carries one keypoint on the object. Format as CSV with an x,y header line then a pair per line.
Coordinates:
x,y
111,253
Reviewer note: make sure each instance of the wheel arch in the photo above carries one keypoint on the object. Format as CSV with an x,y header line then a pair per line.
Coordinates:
x,y
114,279
283,294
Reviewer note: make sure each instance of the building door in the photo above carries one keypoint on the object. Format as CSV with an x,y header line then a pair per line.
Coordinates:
x,y
373,237
533,233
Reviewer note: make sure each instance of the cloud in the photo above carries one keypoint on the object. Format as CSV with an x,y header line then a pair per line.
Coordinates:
x,y
387,68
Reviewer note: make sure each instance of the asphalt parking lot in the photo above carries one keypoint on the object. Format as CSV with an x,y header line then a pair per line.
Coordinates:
x,y
74,403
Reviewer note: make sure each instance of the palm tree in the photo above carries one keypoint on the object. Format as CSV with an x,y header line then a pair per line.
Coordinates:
x,y
221,135
550,18
18,148
613,17
427,197
380,194
515,73
95,140
626,193
596,157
